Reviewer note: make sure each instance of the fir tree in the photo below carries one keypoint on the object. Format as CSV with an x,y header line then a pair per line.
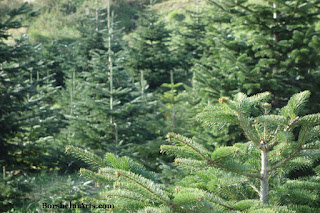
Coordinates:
x,y
253,46
107,111
188,35
250,47
25,126
92,86
149,57
245,177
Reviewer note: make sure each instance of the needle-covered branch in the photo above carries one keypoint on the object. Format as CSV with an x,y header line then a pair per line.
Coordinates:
x,y
195,147
87,156
226,178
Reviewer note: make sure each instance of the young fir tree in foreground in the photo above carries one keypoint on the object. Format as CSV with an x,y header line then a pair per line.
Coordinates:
x,y
246,177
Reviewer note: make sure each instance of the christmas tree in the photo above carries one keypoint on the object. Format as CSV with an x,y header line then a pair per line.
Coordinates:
x,y
249,177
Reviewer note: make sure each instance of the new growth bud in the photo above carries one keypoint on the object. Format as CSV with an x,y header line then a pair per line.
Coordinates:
x,y
177,189
117,174
200,199
266,107
223,100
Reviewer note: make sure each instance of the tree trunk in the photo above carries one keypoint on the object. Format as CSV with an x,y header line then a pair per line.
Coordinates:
x,y
142,82
193,87
275,16
197,11
275,35
31,82
110,63
97,16
264,182
38,78
72,90
4,175
111,72
194,73
172,96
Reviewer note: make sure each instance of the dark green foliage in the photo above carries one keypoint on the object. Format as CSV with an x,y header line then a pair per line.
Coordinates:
x,y
120,94
13,187
262,46
227,178
12,83
119,119
50,188
148,52
188,37
27,119
253,46
127,12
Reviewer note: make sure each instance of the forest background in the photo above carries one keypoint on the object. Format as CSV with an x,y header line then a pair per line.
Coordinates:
x,y
118,76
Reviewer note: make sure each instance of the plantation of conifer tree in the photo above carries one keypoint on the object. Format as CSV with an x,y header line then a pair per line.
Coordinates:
x,y
160,106
233,178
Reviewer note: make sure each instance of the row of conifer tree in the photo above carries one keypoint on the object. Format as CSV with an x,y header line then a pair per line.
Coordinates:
x,y
118,93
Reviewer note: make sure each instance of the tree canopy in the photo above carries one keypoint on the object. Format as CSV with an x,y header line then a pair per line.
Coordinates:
x,y
165,106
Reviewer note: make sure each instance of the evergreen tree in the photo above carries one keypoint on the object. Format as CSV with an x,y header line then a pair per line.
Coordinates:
x,y
148,56
91,84
188,35
28,120
257,46
187,41
226,179
25,126
253,46
108,112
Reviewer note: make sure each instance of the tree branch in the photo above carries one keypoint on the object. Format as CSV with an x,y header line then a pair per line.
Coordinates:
x,y
285,160
292,155
188,145
251,137
210,162
254,187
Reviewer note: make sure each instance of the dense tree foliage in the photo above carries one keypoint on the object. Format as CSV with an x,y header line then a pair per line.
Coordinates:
x,y
104,76
28,120
255,46
149,56
227,178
